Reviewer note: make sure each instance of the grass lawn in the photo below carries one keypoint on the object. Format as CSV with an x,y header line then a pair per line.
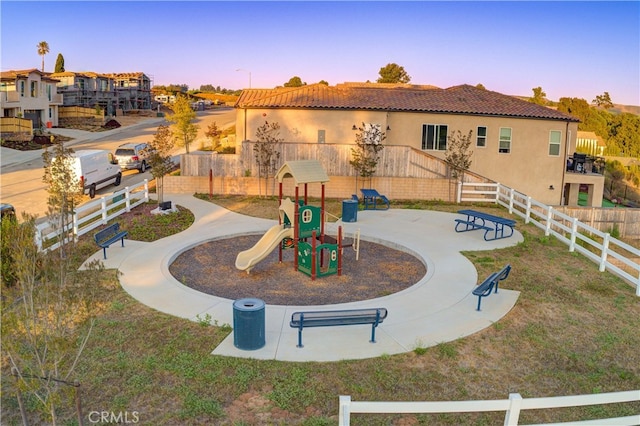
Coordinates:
x,y
574,330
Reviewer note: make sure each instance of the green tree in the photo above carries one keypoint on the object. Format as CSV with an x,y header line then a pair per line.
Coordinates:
x,y
182,118
624,135
481,86
295,82
59,63
393,73
458,155
539,96
366,154
213,132
43,49
265,149
603,101
160,157
326,83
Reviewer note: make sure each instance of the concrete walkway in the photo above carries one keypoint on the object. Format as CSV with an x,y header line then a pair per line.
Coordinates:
x,y
439,308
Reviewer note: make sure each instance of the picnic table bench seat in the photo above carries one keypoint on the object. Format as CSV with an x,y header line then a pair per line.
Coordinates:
x,y
373,316
108,236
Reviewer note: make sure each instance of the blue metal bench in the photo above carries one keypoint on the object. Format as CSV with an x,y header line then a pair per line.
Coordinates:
x,y
372,199
494,226
484,289
373,316
108,236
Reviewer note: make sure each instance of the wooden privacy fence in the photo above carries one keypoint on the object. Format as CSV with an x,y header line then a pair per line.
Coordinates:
x,y
395,161
608,252
91,215
16,125
512,407
78,112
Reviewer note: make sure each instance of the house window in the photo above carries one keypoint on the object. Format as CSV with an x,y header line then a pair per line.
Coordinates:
x,y
554,142
481,139
50,113
22,88
434,137
34,89
505,140
49,92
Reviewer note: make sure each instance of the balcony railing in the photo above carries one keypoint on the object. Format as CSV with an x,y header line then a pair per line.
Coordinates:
x,y
583,163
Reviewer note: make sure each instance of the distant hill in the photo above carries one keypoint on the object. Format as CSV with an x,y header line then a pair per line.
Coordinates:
x,y
617,108
219,97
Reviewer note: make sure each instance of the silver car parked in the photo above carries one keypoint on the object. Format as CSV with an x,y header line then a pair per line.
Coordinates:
x,y
133,156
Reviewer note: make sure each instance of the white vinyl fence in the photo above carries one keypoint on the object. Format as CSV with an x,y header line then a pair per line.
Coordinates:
x,y
512,407
608,252
93,214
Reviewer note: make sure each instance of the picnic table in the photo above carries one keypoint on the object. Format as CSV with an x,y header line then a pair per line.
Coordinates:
x,y
371,198
494,226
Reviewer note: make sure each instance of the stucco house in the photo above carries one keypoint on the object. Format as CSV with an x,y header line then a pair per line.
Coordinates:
x,y
30,94
517,143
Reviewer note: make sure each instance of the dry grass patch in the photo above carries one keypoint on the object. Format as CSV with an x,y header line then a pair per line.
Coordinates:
x,y
574,330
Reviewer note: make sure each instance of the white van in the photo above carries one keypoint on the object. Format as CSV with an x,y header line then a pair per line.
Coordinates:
x,y
95,169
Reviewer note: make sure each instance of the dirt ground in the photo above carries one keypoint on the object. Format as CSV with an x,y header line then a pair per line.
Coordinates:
x,y
380,270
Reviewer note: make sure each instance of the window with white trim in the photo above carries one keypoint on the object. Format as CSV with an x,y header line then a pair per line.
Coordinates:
x,y
555,137
505,140
434,137
481,138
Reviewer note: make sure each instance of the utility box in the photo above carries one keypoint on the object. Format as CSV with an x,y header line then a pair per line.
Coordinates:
x,y
249,324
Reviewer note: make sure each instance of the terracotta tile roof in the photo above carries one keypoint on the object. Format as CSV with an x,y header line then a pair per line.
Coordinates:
x,y
13,74
464,99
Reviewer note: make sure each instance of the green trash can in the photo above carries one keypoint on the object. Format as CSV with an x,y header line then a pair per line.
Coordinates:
x,y
349,211
248,324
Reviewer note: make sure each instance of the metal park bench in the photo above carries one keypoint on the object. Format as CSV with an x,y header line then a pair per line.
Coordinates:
x,y
491,224
108,236
372,199
484,289
373,316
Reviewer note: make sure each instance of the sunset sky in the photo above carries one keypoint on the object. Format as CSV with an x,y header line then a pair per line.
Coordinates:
x,y
570,49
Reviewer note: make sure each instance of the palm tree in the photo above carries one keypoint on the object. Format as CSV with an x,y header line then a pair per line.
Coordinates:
x,y
43,49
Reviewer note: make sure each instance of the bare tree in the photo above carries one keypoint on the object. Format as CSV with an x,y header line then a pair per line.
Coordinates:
x,y
265,149
366,155
160,157
458,155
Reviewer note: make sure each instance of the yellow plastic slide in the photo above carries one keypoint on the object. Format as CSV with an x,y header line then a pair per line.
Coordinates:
x,y
249,258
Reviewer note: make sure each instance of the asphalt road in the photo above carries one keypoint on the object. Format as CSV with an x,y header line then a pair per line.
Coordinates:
x,y
21,173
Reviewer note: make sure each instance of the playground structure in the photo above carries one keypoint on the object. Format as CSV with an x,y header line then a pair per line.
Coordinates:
x,y
301,227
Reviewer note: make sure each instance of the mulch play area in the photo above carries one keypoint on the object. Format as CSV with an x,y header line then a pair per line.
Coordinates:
x,y
380,271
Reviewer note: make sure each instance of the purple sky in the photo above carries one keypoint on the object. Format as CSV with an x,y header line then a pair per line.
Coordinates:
x,y
570,49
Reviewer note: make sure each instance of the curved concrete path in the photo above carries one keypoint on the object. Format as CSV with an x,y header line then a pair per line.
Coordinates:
x,y
439,308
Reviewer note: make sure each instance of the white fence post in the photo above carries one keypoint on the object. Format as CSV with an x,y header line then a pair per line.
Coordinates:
x,y
513,412
103,206
497,192
511,192
605,249
344,415
74,220
547,229
127,197
459,193
146,190
574,232
527,215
